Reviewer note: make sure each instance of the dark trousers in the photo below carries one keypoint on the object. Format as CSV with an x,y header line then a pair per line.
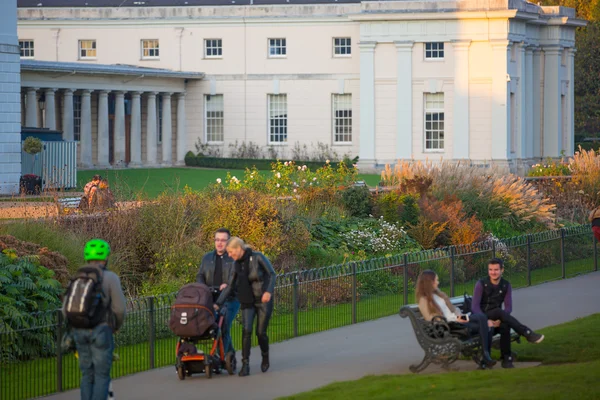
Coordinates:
x,y
508,322
262,313
478,325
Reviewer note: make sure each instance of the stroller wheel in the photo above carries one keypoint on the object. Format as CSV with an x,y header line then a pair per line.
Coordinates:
x,y
230,363
208,371
181,372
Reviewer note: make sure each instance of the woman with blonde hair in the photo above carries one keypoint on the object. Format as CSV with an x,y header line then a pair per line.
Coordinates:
x,y
433,302
253,278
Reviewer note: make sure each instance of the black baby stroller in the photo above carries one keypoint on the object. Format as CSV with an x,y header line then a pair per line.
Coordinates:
x,y
194,321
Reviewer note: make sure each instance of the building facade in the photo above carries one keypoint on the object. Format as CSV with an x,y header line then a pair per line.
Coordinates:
x,y
10,129
481,81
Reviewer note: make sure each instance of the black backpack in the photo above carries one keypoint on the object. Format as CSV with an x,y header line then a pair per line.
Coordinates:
x,y
83,304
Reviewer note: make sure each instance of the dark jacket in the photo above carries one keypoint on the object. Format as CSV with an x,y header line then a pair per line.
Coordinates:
x,y
261,274
493,296
207,270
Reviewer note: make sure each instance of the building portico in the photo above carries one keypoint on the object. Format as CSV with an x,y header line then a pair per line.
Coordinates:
x,y
119,115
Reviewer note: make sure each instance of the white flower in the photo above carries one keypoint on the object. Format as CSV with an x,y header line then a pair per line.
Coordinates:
x,y
327,161
218,180
304,167
278,175
278,185
295,190
285,163
303,180
314,179
299,168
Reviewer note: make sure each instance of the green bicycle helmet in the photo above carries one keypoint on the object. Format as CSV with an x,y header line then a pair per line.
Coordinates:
x,y
96,250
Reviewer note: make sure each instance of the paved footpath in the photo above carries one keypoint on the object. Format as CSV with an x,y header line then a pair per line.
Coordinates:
x,y
384,346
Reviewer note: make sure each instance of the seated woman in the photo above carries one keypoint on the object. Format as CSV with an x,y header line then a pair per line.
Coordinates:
x,y
101,198
433,302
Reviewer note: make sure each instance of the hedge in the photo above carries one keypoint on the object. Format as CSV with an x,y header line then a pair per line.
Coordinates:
x,y
243,163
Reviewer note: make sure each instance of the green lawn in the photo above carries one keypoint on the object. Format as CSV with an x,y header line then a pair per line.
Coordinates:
x,y
576,343
129,182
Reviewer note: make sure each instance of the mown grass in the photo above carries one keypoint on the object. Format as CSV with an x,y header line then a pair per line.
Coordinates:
x,y
574,342
129,183
16,378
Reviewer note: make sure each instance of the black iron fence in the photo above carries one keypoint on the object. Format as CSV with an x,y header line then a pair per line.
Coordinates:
x,y
305,302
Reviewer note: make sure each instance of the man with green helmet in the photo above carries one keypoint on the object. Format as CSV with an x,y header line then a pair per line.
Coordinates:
x,y
94,307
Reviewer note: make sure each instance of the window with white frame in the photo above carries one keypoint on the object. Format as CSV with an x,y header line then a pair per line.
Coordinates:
x,y
434,121
342,47
277,47
342,118
150,49
277,118
87,49
213,118
26,48
434,50
213,48
159,113
76,117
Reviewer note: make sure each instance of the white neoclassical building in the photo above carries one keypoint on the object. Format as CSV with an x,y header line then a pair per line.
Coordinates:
x,y
139,84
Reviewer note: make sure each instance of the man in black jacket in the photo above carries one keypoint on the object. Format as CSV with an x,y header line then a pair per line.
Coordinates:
x,y
215,270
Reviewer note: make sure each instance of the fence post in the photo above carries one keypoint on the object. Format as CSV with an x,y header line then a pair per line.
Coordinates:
x,y
562,252
452,252
59,335
353,292
528,260
595,253
295,300
405,276
151,330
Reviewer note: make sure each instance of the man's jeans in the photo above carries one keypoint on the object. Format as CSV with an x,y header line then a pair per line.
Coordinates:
x,y
233,307
95,348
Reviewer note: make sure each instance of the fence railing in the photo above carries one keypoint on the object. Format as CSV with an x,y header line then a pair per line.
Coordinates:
x,y
31,364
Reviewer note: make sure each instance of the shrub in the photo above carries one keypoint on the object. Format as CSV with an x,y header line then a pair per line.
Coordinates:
x,y
395,207
29,295
380,282
190,159
585,166
426,232
32,145
550,168
357,201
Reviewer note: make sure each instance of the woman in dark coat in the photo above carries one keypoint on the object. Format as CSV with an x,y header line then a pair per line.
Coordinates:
x,y
254,281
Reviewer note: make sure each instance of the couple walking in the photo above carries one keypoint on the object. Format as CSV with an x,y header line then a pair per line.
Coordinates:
x,y
246,279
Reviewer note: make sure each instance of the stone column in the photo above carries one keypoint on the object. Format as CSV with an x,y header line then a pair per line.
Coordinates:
x,y
537,102
50,122
528,87
119,129
151,139
135,143
367,105
500,98
103,144
404,147
167,130
86,128
552,132
461,136
571,99
520,115
67,115
181,129
31,113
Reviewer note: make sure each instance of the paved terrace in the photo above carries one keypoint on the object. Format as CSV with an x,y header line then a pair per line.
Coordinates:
x,y
384,346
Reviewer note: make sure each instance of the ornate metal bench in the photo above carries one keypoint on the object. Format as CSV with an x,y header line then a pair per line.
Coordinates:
x,y
442,345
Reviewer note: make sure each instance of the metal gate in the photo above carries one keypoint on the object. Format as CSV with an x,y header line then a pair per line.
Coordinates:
x,y
56,165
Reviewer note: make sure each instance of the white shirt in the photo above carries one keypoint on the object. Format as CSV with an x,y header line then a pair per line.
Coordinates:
x,y
449,315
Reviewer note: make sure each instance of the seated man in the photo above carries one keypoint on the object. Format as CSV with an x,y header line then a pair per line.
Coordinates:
x,y
101,198
489,295
84,204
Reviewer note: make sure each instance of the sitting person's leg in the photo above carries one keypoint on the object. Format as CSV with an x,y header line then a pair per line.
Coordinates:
x,y
501,315
505,346
478,323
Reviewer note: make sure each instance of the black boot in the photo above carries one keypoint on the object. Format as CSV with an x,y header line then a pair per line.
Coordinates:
x,y
245,370
507,362
264,365
487,360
